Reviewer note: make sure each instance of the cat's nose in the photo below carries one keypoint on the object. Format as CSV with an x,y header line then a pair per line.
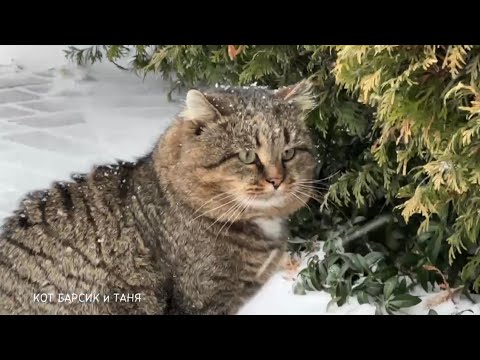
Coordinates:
x,y
275,181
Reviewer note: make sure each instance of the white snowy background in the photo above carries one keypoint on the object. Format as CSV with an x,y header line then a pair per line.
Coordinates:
x,y
57,118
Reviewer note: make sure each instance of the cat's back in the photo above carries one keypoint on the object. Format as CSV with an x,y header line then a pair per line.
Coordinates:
x,y
92,236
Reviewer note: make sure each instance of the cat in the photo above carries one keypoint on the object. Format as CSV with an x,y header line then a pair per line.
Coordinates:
x,y
196,226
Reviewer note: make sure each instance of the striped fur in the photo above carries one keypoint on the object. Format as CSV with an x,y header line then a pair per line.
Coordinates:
x,y
134,228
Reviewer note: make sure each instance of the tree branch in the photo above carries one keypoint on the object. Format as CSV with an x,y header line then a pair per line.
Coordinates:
x,y
365,229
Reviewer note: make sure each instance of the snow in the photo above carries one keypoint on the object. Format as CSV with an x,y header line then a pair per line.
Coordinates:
x,y
78,118
277,298
34,57
60,119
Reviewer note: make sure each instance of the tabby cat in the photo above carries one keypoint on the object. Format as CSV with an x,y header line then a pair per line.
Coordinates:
x,y
197,226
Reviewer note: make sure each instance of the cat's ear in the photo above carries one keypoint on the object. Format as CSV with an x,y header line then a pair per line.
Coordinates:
x,y
199,108
300,94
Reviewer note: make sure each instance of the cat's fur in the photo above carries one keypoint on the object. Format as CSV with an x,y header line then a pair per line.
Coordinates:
x,y
159,228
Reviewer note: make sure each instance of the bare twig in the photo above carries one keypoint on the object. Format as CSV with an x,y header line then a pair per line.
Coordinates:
x,y
365,229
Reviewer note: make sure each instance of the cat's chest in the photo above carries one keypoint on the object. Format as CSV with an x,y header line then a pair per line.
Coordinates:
x,y
261,264
271,228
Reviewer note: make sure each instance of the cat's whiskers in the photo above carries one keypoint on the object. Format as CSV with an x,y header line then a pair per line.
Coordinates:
x,y
209,211
226,194
316,195
310,188
309,181
226,213
308,195
301,201
230,216
313,185
238,214
320,180
242,209
321,201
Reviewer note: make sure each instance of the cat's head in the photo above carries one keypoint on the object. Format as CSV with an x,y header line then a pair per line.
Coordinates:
x,y
241,153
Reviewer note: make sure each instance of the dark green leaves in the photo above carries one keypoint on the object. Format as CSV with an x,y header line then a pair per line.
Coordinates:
x,y
403,301
345,275
389,287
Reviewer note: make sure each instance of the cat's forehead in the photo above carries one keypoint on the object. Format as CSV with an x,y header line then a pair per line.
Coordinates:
x,y
260,130
248,100
252,106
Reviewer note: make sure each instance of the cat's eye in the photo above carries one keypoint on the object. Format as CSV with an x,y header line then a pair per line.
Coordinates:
x,y
288,154
247,156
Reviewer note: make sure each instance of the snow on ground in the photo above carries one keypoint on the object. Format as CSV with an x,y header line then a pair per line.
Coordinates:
x,y
65,120
277,297
56,119
34,57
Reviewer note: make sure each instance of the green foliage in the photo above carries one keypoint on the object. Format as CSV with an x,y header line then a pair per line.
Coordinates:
x,y
397,131
428,110
371,278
